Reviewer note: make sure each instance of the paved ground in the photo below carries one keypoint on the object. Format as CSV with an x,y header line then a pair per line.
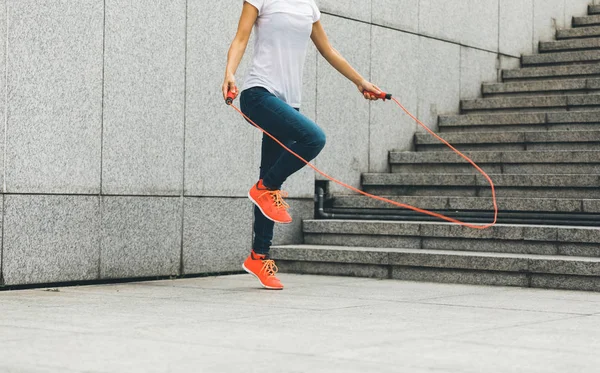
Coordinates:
x,y
318,324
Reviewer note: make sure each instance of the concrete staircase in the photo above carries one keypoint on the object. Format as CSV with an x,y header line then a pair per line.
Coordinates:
x,y
538,136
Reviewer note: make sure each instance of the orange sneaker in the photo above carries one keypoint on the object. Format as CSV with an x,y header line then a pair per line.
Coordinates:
x,y
270,203
264,269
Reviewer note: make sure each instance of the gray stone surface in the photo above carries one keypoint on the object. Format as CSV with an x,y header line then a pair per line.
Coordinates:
x,y
473,138
459,276
550,281
459,260
471,23
516,27
440,62
335,269
588,235
489,245
515,103
575,117
340,106
141,237
54,101
576,8
388,129
361,227
567,45
584,100
548,16
536,86
50,238
476,203
218,141
361,240
591,205
300,209
592,20
399,14
356,9
594,9
144,98
476,66
578,32
551,71
498,157
331,254
566,266
340,324
492,119
3,85
498,232
217,234
578,249
561,57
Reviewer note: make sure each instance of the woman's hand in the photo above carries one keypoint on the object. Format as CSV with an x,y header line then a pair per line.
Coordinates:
x,y
368,90
229,85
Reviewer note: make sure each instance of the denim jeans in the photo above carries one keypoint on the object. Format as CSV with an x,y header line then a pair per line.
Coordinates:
x,y
293,129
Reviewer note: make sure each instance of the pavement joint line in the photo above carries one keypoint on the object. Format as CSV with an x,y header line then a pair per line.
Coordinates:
x,y
508,309
216,302
561,350
519,325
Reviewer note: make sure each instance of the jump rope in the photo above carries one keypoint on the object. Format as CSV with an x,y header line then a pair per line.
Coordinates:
x,y
231,95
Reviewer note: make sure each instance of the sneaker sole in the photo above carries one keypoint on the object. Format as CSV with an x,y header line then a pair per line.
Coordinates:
x,y
265,215
263,285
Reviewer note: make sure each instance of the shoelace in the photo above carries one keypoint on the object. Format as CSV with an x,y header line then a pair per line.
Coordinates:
x,y
269,267
278,201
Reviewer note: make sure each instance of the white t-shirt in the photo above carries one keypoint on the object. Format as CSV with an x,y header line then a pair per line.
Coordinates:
x,y
282,32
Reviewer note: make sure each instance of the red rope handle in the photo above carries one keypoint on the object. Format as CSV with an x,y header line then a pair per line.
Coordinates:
x,y
426,212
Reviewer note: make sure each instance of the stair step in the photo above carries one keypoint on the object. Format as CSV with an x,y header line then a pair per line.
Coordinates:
x,y
559,205
593,9
477,141
570,120
543,271
561,58
569,45
466,185
579,32
564,102
556,86
592,20
510,162
502,238
554,71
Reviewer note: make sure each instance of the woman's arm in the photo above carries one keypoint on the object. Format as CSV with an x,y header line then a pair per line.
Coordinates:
x,y
336,60
238,46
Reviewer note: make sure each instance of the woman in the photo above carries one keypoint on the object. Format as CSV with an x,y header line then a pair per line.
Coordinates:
x,y
271,97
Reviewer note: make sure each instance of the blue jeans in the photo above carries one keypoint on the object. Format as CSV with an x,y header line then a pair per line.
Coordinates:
x,y
293,129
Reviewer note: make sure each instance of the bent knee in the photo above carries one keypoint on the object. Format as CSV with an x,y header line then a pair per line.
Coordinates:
x,y
319,139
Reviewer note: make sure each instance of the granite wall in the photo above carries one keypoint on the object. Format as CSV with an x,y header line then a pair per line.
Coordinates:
x,y
120,160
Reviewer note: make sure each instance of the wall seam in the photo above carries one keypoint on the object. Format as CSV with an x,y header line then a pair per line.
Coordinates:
x,y
5,96
418,34
185,46
5,137
100,199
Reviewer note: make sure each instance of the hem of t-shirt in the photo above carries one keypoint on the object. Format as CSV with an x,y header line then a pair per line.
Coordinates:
x,y
272,91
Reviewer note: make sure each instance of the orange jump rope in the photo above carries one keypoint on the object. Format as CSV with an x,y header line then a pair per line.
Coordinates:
x,y
231,95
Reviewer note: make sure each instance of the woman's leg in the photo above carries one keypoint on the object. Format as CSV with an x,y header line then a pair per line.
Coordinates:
x,y
295,131
287,125
263,227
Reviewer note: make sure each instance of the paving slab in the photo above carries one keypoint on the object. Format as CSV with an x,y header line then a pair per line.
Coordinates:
x,y
316,324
